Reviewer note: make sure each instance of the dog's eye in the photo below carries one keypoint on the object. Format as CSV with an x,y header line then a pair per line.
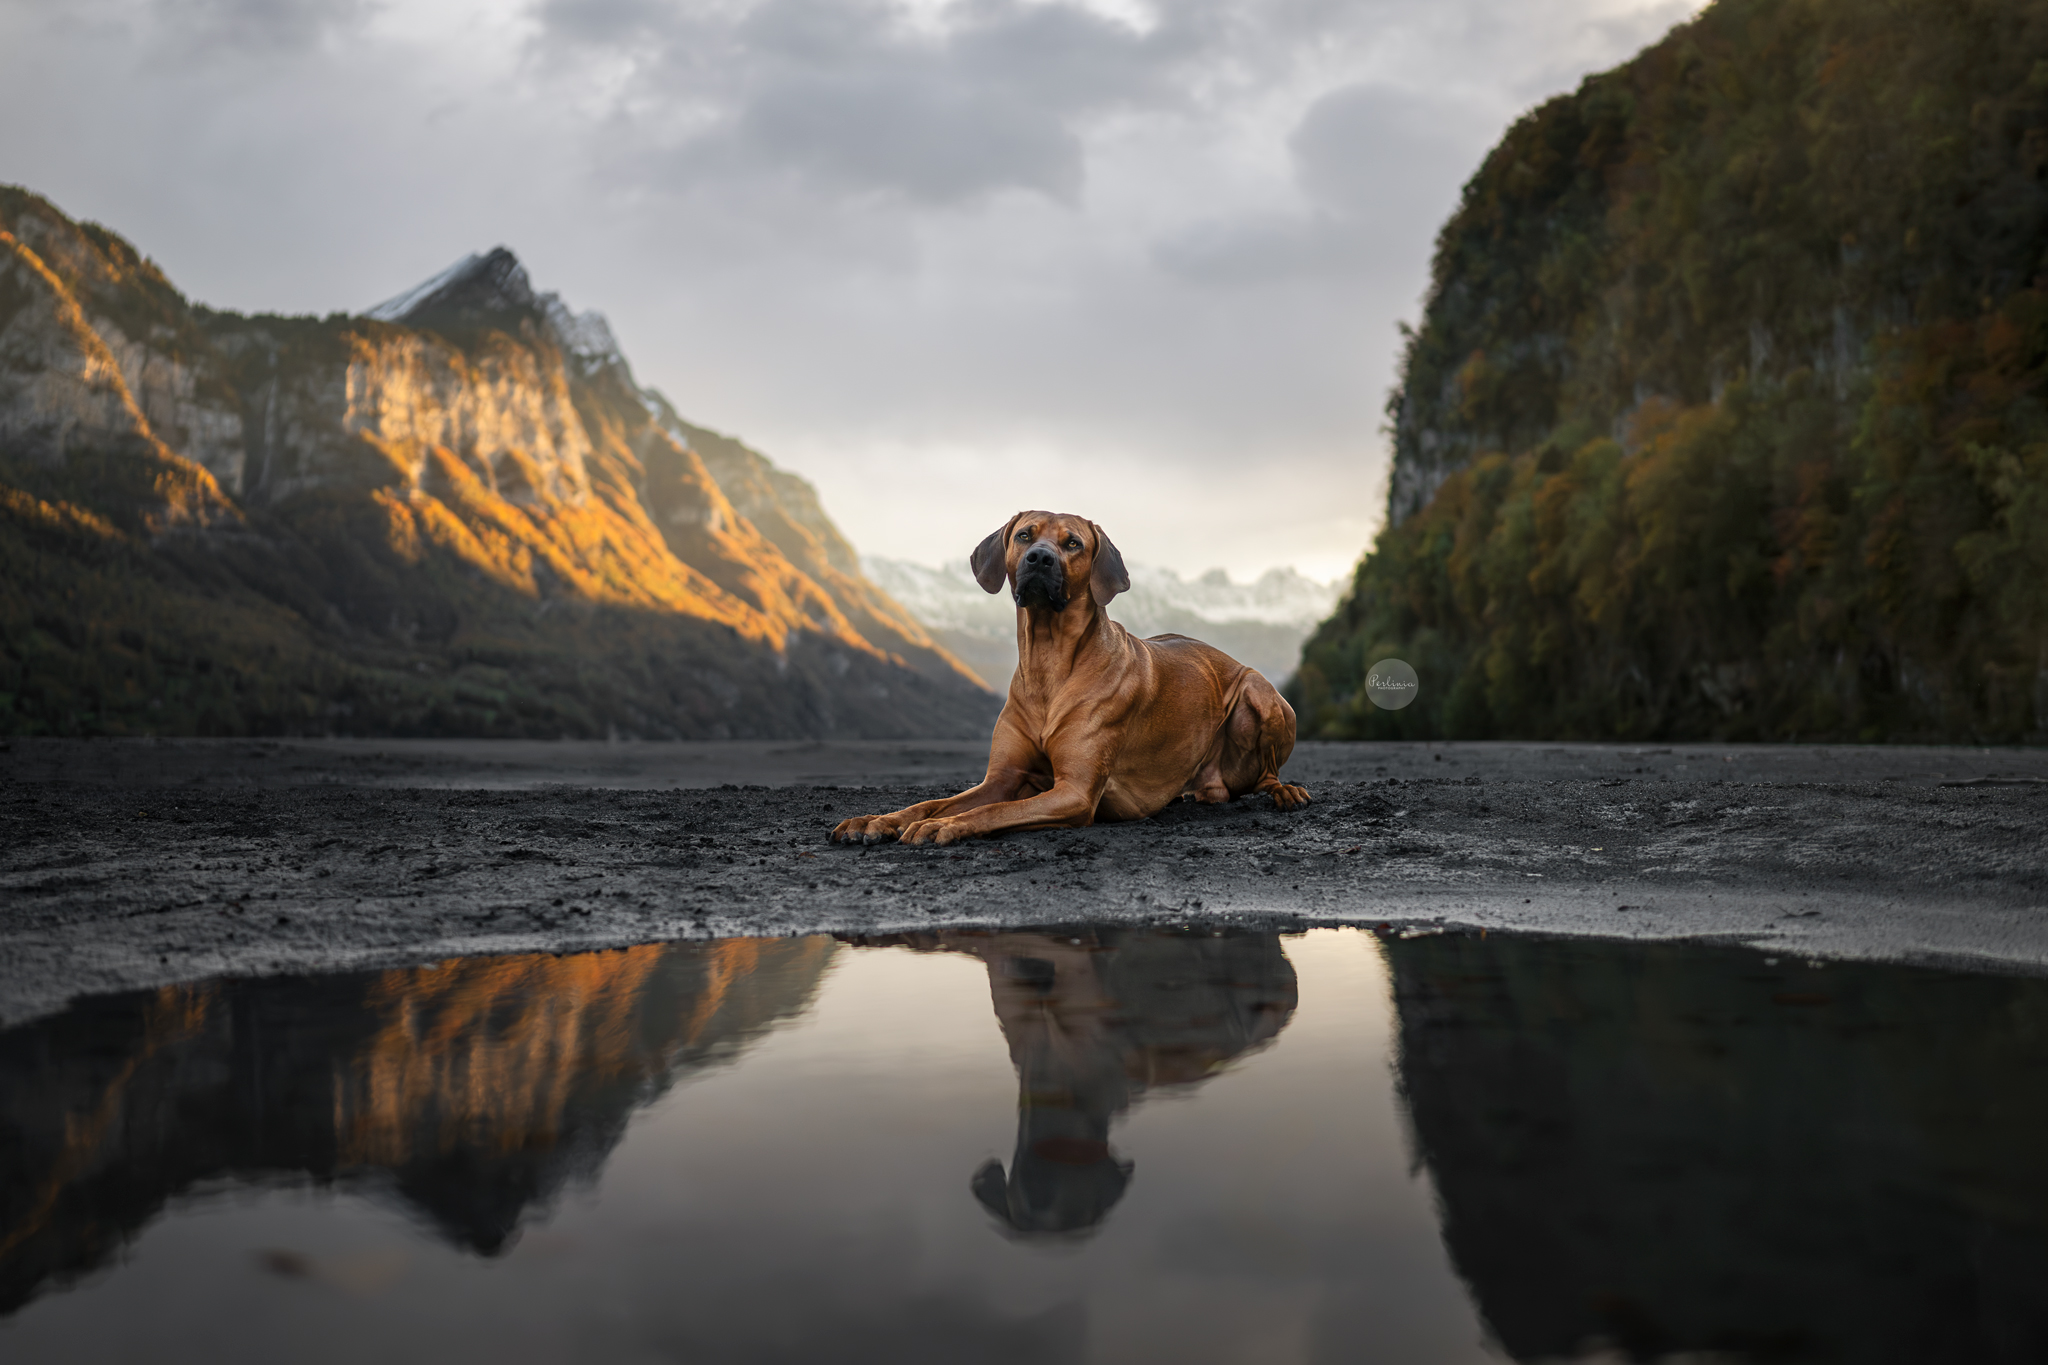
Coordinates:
x,y
1023,535
1073,544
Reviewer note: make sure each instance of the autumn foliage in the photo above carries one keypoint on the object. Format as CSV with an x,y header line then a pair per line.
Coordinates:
x,y
1726,415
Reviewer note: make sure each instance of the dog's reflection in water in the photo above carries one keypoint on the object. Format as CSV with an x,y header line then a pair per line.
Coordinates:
x,y
1096,1019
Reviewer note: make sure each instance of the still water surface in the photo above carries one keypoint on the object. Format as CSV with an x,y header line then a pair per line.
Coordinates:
x,y
1071,1145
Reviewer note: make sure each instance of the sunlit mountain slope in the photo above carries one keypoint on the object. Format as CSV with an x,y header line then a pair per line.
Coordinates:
x,y
456,514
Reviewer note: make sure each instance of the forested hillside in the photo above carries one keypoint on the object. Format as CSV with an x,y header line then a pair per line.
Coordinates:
x,y
1725,417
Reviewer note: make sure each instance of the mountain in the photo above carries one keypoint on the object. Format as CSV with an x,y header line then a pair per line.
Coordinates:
x,y
1261,623
1725,417
457,513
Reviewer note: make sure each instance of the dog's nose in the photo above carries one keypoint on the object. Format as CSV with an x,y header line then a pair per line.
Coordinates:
x,y
1040,553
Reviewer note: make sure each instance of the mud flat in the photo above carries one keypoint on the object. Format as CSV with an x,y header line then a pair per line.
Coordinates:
x,y
138,863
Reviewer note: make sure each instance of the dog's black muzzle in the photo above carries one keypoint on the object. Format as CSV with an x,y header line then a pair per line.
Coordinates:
x,y
1041,580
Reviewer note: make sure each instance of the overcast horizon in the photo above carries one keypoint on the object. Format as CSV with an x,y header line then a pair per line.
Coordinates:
x,y
944,260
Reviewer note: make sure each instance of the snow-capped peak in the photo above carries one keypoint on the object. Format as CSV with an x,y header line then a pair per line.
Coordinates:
x,y
950,597
1261,623
494,280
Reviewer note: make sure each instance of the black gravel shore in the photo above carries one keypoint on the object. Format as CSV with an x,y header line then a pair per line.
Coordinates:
x,y
138,863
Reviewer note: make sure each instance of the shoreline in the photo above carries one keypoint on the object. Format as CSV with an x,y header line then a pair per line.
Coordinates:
x,y
151,863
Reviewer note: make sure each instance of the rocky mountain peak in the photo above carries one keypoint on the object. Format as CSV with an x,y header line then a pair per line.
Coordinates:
x,y
475,286
587,336
492,284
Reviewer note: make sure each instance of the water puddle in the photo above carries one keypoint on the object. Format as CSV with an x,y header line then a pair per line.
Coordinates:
x,y
1075,1145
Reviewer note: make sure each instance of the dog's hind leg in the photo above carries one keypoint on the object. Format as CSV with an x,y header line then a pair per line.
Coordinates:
x,y
1207,786
1258,738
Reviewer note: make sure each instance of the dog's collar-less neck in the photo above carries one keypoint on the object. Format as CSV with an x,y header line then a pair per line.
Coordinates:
x,y
1050,642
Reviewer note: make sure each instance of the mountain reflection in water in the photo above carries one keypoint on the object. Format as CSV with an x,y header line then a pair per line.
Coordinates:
x,y
1671,1148
475,1089
1649,1150
478,1088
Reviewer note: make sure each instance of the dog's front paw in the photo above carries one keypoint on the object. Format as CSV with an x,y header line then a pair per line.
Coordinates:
x,y
1287,796
864,829
939,832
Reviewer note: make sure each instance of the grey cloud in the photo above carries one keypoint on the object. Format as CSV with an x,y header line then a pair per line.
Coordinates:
x,y
836,35
1363,148
931,140
851,96
1076,60
599,22
857,98
258,25
1374,163
1257,249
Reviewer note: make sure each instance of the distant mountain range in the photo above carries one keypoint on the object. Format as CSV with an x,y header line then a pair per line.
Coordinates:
x,y
455,514
1261,623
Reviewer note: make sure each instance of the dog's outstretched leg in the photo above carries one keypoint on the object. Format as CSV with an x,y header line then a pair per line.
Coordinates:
x,y
1016,769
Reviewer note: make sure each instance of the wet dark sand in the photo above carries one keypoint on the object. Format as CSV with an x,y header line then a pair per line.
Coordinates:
x,y
137,863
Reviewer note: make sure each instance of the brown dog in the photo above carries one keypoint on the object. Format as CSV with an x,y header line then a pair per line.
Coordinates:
x,y
1100,725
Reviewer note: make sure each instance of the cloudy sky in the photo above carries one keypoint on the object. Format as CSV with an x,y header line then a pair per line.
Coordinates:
x,y
1138,259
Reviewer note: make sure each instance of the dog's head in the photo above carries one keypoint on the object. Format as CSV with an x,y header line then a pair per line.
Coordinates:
x,y
1050,559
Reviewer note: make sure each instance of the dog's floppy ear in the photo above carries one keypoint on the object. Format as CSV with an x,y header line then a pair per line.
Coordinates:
x,y
1107,576
990,560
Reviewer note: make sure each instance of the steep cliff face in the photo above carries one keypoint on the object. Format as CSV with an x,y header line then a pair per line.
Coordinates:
x,y
1724,417
76,383
459,513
